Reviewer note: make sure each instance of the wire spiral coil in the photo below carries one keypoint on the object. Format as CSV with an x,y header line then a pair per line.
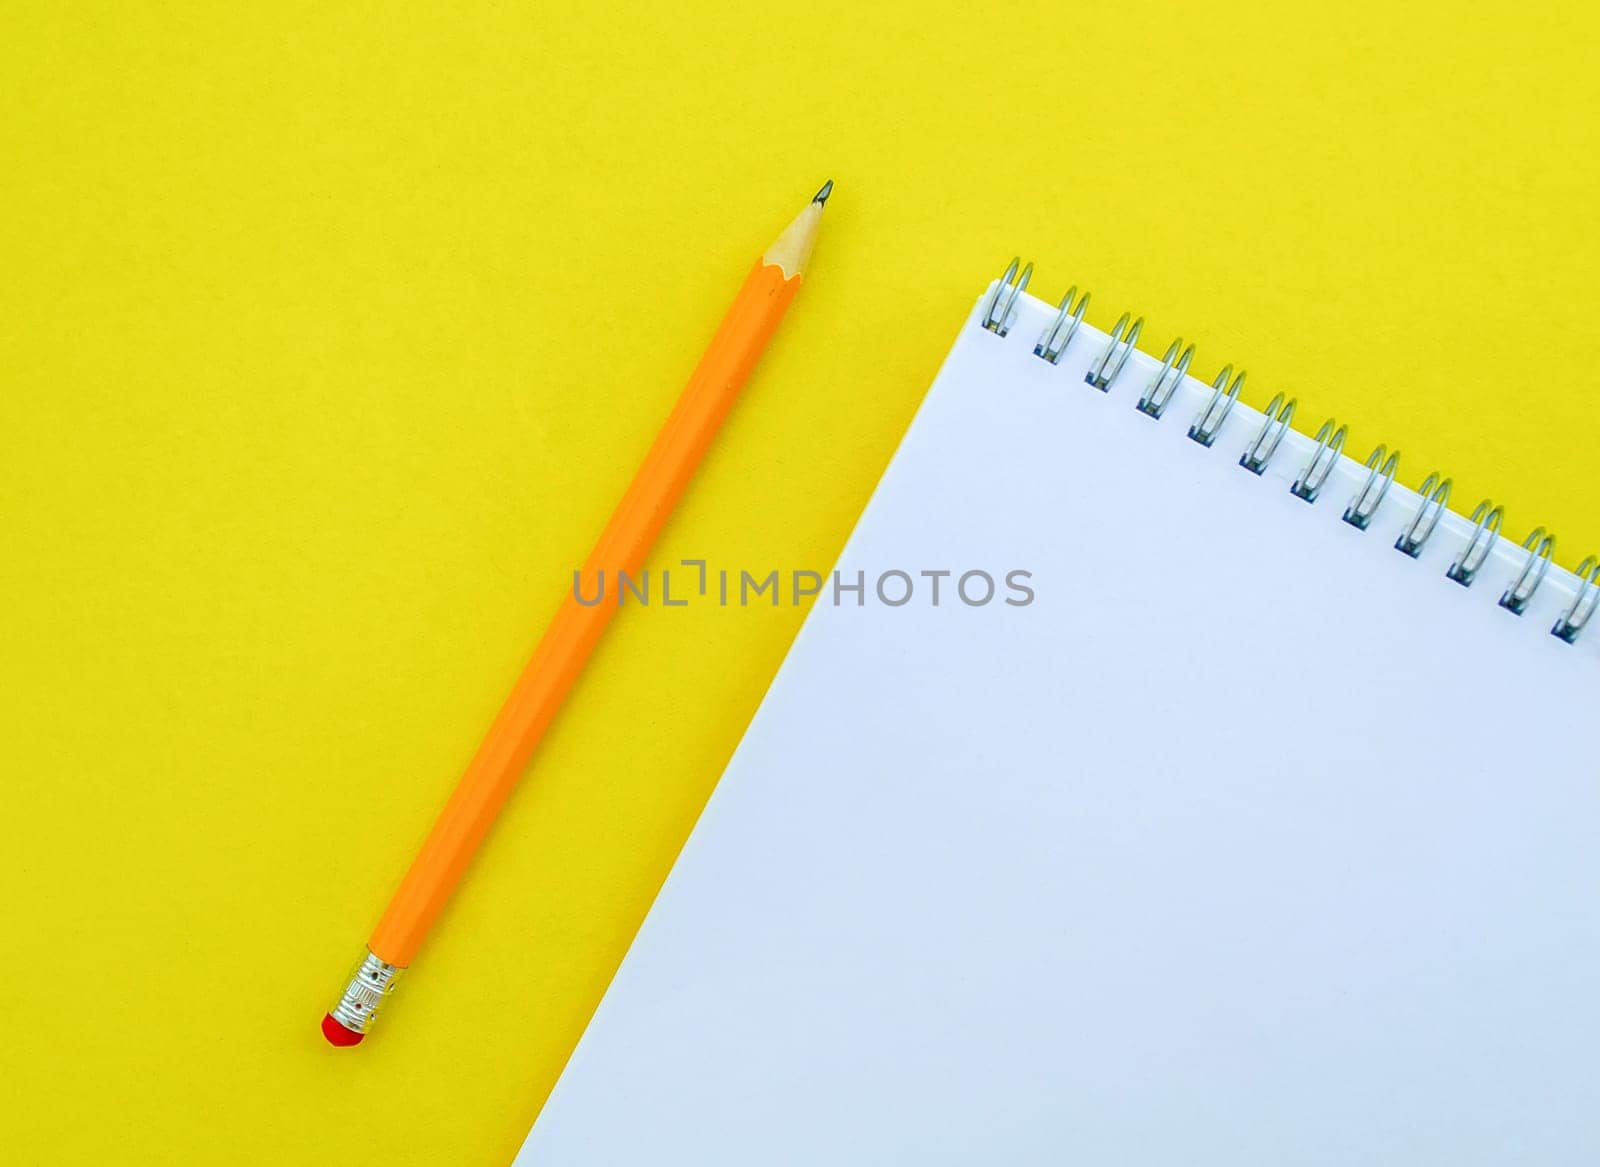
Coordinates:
x,y
1381,467
999,312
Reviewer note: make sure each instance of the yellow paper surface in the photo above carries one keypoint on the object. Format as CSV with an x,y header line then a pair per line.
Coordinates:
x,y
329,335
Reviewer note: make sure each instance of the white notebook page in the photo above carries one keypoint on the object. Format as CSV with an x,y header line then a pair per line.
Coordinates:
x,y
1249,841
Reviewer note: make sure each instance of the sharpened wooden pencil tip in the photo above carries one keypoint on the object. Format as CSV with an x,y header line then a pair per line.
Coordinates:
x,y
791,249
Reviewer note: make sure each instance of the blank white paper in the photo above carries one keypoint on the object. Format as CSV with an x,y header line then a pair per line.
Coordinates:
x,y
1250,841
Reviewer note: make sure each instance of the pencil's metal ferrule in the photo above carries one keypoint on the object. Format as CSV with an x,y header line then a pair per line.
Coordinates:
x,y
364,996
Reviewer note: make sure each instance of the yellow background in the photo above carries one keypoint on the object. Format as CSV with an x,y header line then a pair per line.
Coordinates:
x,y
329,335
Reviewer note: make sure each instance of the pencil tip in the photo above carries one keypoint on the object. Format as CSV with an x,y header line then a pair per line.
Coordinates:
x,y
822,195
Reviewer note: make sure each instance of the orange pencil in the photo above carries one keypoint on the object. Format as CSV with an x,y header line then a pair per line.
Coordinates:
x,y
572,635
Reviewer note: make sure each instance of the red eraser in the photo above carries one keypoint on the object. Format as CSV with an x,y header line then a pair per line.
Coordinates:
x,y
337,1034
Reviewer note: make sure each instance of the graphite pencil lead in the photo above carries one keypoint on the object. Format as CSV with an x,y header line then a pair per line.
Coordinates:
x,y
822,195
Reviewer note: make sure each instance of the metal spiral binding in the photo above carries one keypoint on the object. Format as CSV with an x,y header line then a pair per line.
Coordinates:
x,y
999,313
1056,338
1486,518
1003,307
1583,607
1540,548
1209,423
1330,443
1173,370
1259,452
1381,466
1435,494
1104,372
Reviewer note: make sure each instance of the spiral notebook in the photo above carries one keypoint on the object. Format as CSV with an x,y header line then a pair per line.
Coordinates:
x,y
1258,822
